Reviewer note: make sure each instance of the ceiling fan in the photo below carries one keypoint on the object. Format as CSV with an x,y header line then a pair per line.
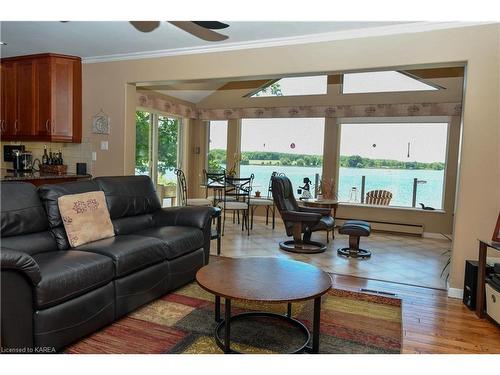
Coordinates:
x,y
200,29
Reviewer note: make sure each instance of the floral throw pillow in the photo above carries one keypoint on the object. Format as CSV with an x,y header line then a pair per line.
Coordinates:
x,y
85,217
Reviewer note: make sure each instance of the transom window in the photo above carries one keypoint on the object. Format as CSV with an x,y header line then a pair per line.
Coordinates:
x,y
291,86
387,81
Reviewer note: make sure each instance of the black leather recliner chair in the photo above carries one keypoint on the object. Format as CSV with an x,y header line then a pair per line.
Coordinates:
x,y
53,295
299,220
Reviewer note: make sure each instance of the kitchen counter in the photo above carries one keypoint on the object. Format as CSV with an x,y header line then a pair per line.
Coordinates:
x,y
40,178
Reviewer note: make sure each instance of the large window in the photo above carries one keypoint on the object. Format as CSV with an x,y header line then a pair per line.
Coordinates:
x,y
157,152
292,146
405,159
217,146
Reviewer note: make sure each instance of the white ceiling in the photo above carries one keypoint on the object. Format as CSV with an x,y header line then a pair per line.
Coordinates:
x,y
95,39
116,40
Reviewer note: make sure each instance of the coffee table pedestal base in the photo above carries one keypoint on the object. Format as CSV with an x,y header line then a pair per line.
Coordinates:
x,y
225,343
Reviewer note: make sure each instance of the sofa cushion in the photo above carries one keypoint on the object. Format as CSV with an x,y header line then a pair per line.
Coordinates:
x,y
21,209
49,194
85,217
355,228
179,240
32,243
131,224
128,252
68,274
129,195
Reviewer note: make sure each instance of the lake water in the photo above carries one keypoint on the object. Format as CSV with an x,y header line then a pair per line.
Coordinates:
x,y
397,181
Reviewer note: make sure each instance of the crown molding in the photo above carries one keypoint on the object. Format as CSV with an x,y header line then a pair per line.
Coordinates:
x,y
286,41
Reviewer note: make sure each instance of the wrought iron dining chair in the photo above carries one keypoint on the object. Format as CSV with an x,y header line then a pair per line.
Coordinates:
x,y
236,198
214,181
184,200
267,202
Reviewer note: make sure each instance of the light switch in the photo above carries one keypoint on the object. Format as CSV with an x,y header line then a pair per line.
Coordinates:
x,y
104,145
94,156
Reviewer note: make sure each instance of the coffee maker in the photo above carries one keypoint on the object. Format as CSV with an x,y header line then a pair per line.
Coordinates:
x,y
22,161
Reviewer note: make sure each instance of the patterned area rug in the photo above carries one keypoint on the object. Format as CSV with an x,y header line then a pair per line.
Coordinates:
x,y
183,322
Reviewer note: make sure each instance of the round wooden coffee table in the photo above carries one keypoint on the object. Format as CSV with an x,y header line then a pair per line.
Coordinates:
x,y
269,280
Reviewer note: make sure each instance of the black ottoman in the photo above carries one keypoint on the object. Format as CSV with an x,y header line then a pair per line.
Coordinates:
x,y
355,229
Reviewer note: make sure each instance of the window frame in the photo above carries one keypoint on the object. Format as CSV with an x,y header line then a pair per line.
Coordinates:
x,y
396,120
153,140
207,140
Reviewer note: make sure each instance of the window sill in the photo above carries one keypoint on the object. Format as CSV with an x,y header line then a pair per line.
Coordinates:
x,y
412,209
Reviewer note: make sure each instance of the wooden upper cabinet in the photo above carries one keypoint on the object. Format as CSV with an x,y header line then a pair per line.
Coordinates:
x,y
42,98
25,82
8,113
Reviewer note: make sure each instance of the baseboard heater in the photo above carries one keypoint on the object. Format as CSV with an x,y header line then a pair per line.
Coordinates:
x,y
387,226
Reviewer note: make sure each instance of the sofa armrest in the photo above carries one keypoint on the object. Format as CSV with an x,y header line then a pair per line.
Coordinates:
x,y
192,216
300,216
22,262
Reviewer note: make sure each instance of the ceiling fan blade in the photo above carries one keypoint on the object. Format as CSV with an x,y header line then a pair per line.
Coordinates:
x,y
145,26
212,25
199,31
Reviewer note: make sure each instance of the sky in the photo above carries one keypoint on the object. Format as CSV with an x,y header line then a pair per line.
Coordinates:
x,y
390,141
274,135
376,141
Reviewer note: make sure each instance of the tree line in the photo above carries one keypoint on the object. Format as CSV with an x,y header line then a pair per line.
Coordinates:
x,y
217,158
356,161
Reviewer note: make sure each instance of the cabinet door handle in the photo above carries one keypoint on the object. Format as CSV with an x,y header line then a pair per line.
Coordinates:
x,y
47,126
2,128
15,126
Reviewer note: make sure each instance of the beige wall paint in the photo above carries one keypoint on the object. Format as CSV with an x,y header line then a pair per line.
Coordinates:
x,y
478,201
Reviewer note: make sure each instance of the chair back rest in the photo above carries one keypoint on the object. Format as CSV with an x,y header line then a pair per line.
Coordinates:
x,y
214,179
238,187
181,181
270,189
283,196
379,197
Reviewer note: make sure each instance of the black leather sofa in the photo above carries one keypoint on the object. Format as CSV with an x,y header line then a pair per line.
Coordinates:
x,y
53,295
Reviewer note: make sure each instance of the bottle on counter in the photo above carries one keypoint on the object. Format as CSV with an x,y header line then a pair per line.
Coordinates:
x,y
45,157
51,158
61,161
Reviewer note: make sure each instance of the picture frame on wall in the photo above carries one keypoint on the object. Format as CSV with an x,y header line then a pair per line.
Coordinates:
x,y
496,233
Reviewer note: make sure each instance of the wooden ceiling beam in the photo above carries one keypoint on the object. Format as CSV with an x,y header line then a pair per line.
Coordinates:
x,y
437,72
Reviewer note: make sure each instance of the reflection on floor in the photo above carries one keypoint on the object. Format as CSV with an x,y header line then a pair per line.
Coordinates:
x,y
395,258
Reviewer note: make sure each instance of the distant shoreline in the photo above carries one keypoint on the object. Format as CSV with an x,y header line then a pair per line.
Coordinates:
x,y
260,158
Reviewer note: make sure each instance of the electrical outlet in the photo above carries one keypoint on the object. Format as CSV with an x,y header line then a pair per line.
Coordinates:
x,y
94,156
104,145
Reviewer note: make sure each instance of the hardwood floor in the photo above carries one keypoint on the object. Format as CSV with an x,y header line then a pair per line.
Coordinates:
x,y
397,258
432,322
